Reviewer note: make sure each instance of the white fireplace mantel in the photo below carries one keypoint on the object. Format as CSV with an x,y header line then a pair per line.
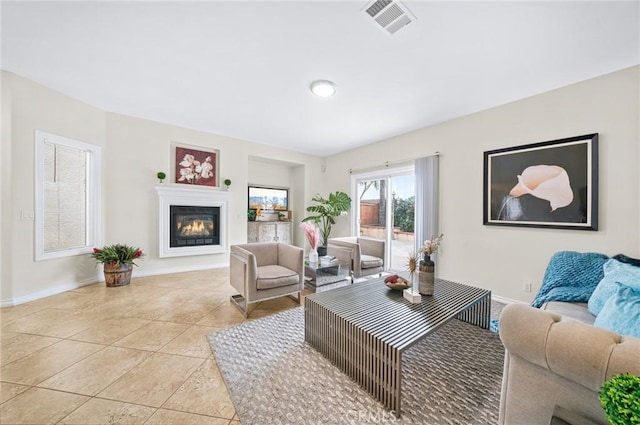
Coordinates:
x,y
186,195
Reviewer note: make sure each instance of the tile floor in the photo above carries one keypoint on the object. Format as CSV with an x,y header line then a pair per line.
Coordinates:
x,y
136,354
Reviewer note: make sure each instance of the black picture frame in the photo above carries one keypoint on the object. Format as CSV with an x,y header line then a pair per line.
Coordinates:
x,y
268,198
551,184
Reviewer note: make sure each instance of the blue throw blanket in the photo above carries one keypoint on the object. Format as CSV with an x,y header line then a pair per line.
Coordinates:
x,y
570,276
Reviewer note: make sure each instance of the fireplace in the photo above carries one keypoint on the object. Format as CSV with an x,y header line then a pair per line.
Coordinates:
x,y
192,220
194,226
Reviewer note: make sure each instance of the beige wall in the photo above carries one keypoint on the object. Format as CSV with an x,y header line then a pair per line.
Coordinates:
x,y
137,149
493,257
269,173
27,107
6,288
134,150
289,175
502,258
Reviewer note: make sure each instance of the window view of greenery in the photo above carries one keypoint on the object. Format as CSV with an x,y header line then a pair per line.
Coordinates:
x,y
404,210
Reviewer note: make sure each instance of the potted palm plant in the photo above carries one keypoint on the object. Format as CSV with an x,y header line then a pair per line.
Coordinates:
x,y
324,214
118,262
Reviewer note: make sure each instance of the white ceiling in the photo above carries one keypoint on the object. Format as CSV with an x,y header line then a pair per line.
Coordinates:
x,y
242,69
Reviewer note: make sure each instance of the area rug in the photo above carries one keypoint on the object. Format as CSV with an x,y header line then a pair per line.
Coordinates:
x,y
451,377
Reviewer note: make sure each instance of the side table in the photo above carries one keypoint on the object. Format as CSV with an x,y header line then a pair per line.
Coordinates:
x,y
327,270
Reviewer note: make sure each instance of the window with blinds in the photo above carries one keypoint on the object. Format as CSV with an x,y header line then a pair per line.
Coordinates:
x,y
67,196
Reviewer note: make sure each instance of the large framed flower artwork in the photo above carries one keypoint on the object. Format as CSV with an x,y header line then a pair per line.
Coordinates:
x,y
195,165
548,184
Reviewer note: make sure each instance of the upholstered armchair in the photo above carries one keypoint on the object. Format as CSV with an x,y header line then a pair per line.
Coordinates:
x,y
265,270
367,254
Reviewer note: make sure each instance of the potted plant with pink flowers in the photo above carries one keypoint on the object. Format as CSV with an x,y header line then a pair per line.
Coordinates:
x,y
118,262
312,232
324,214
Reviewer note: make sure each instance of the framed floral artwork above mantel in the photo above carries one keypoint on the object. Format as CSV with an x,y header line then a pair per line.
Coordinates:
x,y
195,165
547,184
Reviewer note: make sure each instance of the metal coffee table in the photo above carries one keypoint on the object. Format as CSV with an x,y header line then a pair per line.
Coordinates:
x,y
364,328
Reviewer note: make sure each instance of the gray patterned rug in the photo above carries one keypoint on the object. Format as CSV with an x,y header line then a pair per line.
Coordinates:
x,y
274,377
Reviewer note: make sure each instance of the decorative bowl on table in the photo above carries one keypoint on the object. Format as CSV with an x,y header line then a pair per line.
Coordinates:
x,y
396,282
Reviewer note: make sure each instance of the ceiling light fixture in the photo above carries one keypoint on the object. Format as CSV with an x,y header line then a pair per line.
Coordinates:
x,y
323,88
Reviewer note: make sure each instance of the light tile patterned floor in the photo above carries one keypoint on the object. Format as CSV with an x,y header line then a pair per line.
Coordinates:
x,y
136,354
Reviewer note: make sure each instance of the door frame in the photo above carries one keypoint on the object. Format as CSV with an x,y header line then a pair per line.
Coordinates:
x,y
387,174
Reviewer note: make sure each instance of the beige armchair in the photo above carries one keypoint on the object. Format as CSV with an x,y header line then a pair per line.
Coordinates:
x,y
367,254
265,270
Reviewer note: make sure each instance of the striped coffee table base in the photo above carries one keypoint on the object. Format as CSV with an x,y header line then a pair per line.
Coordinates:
x,y
364,328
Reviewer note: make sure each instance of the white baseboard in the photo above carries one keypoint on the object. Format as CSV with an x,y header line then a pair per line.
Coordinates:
x,y
10,302
182,269
504,300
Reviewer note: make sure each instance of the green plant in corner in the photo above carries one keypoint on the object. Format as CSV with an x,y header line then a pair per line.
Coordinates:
x,y
161,176
326,210
620,399
227,182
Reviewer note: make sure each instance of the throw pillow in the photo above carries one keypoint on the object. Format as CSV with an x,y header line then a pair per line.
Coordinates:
x,y
621,312
614,271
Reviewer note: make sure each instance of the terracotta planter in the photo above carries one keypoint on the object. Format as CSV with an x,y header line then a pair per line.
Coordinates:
x,y
115,275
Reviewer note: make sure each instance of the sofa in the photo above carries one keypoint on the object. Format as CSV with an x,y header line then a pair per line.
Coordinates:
x,y
558,356
554,358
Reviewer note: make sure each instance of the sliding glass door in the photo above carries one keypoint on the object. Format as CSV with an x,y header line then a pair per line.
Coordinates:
x,y
385,209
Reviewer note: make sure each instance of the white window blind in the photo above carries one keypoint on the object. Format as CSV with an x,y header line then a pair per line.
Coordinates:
x,y
68,196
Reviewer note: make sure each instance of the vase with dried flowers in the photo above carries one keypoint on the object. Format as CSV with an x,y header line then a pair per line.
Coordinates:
x,y
312,232
427,267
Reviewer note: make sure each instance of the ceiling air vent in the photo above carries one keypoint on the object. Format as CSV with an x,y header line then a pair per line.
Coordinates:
x,y
389,14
